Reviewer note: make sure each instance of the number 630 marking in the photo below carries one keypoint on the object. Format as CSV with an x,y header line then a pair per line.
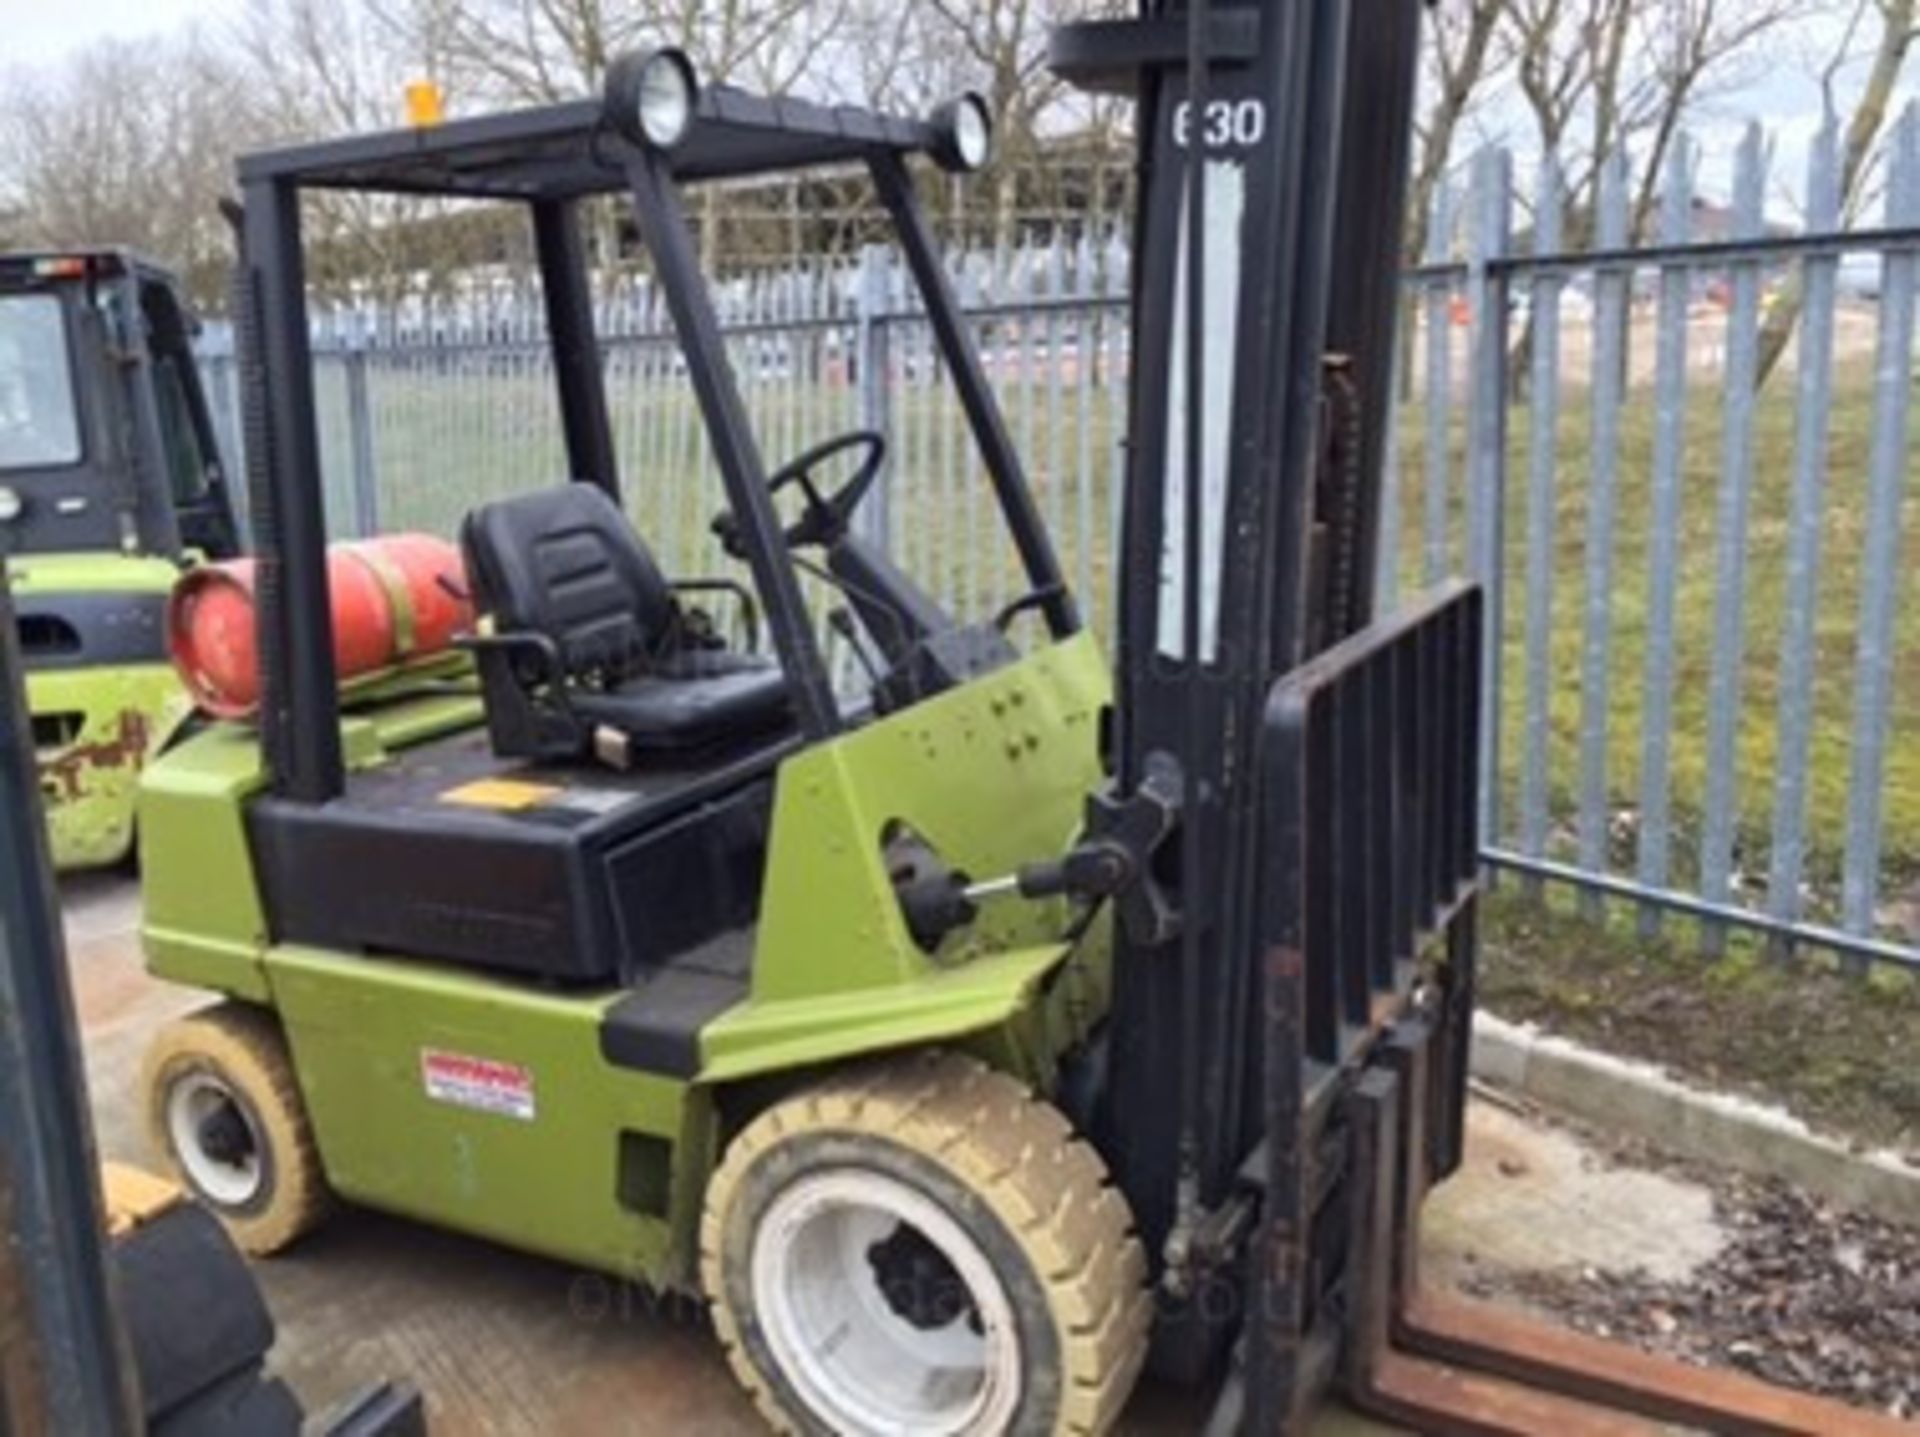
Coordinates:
x,y
1229,123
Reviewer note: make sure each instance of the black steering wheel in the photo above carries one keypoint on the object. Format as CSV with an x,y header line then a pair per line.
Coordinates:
x,y
826,517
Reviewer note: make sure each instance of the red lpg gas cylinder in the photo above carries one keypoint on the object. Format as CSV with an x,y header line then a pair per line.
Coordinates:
x,y
398,597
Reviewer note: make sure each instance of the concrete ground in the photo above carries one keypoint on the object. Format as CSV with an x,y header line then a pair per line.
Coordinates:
x,y
504,1344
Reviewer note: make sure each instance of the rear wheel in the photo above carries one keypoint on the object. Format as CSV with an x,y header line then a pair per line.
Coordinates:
x,y
224,1110
924,1246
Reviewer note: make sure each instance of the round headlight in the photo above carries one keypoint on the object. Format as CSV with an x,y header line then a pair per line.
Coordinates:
x,y
973,134
650,97
962,133
10,505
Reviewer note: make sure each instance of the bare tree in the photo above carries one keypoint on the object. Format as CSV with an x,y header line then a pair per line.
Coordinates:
x,y
135,143
1695,50
1619,76
319,68
1893,36
129,144
1466,48
549,50
543,51
998,47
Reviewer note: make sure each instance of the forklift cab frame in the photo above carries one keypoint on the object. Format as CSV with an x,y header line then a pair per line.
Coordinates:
x,y
110,481
140,472
549,159
641,955
388,823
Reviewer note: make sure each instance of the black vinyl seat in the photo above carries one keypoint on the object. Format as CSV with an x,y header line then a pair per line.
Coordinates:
x,y
590,649
691,700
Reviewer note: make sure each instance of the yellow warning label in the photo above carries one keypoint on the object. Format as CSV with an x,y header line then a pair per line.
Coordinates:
x,y
501,793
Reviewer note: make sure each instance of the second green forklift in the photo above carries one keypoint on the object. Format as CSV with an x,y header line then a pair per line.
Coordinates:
x,y
110,482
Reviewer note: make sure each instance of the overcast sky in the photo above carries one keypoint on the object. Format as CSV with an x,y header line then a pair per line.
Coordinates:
x,y
1784,95
35,32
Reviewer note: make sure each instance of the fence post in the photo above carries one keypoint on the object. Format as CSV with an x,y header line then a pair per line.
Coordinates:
x,y
1386,560
1086,299
1435,478
366,488
1543,461
215,355
219,379
1054,489
1880,569
1608,381
1119,381
1731,523
976,576
871,365
1815,360
1487,447
1663,560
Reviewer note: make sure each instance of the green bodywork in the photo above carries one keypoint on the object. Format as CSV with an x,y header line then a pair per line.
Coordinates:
x,y
97,725
607,1166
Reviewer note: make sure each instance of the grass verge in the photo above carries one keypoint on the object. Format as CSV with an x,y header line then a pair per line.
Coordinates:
x,y
1840,1052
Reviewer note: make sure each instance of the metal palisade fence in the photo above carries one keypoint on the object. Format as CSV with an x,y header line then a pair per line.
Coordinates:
x,y
1708,686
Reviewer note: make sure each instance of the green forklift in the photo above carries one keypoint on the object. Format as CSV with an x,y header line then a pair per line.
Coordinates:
x,y
110,481
969,1042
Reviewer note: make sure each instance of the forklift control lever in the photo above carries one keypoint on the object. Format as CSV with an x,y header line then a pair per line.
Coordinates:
x,y
1033,599
1094,869
1098,868
1114,860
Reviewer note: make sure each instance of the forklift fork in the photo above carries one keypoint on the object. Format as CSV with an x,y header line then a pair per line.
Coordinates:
x,y
1450,1364
1370,753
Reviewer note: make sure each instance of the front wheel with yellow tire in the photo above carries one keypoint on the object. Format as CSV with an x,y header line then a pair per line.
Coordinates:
x,y
223,1109
922,1245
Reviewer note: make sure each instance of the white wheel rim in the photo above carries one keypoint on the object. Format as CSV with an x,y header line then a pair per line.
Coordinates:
x,y
861,1364
230,1181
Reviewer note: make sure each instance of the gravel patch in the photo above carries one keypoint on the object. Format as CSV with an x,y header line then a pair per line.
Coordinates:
x,y
1802,1292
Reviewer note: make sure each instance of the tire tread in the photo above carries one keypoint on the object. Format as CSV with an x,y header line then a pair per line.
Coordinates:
x,y
246,1045
1021,1157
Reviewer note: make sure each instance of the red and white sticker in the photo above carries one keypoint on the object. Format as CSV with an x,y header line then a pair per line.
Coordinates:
x,y
484,1084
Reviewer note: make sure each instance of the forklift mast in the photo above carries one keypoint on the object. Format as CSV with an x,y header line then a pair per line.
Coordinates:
x,y
1249,526
1286,1071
